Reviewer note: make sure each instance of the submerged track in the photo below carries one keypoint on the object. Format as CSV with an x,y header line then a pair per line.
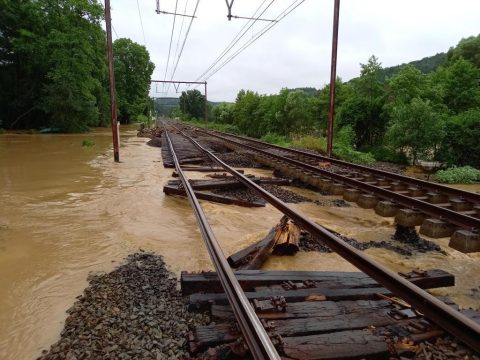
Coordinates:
x,y
444,316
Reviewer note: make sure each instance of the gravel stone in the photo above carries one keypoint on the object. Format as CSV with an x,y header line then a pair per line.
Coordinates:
x,y
134,312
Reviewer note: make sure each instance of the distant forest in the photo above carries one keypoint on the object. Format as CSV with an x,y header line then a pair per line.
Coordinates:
x,y
428,109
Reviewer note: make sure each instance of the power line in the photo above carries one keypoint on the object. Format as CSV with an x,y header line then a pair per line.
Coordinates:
x,y
115,31
171,38
259,34
141,24
236,38
184,41
181,29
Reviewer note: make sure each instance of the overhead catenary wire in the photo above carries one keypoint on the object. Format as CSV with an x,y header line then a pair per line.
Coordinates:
x,y
171,38
141,24
180,32
237,37
184,42
258,35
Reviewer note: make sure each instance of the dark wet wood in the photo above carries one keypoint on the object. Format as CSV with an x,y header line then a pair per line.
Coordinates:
x,y
356,344
173,190
243,256
227,184
257,259
216,334
251,279
307,309
203,169
204,301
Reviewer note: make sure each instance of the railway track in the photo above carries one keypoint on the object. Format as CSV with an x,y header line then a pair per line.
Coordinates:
x,y
261,347
440,211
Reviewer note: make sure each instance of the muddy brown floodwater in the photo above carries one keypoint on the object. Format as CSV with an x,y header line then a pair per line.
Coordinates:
x,y
67,210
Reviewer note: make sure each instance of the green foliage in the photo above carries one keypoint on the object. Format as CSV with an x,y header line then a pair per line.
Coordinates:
x,y
458,175
88,143
52,65
384,153
275,139
310,142
468,49
426,65
363,110
133,71
416,128
347,153
460,84
223,113
192,103
461,145
145,120
2,131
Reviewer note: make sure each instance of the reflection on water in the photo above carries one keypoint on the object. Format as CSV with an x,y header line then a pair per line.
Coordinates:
x,y
68,210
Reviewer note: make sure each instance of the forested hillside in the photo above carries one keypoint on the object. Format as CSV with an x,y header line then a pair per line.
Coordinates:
x,y
410,114
425,65
53,69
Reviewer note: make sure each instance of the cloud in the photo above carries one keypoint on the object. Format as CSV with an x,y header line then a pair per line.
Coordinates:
x,y
296,51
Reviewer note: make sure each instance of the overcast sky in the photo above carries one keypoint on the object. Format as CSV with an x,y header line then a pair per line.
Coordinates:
x,y
296,51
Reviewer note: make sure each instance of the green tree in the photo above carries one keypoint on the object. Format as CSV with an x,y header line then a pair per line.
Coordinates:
x,y
192,103
363,110
460,82
133,71
416,128
223,113
52,63
461,145
468,49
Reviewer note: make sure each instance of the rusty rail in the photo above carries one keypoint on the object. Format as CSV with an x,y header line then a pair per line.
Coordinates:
x,y
467,195
444,316
456,218
253,331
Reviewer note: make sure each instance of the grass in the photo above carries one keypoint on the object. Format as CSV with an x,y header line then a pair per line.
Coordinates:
x,y
276,139
340,149
458,175
88,143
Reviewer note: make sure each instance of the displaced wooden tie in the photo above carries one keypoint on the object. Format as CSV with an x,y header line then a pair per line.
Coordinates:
x,y
313,315
203,189
283,239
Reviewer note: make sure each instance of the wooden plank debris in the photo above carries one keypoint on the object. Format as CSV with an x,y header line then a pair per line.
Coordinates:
x,y
251,279
172,190
356,344
287,238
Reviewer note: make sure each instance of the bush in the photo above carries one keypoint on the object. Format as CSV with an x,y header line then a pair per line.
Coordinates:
x,y
311,143
458,175
88,143
341,148
145,120
276,139
385,154
349,154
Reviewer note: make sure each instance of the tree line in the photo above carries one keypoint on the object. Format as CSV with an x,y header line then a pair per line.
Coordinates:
x,y
408,114
53,70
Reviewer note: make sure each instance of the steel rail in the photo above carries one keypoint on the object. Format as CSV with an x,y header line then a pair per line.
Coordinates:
x,y
453,217
252,329
466,195
465,329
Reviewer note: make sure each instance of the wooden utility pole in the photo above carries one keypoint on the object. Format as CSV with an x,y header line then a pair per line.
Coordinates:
x,y
333,78
111,74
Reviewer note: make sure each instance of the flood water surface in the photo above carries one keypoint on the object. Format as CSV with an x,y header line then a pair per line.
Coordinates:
x,y
68,210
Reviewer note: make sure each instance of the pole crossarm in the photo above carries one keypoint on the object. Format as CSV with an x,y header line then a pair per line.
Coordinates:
x,y
178,82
